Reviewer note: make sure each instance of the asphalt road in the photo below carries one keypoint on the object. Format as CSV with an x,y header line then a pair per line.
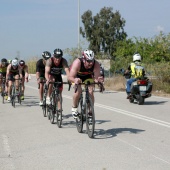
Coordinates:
x,y
127,136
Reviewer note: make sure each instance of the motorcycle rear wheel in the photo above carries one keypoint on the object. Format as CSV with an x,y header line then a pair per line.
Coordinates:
x,y
141,100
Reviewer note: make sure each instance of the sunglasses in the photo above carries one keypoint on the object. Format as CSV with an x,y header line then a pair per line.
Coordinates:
x,y
90,61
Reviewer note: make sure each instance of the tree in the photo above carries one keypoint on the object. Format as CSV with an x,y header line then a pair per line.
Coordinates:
x,y
103,30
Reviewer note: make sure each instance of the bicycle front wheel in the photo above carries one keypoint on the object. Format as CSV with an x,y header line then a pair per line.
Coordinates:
x,y
52,111
44,106
79,120
59,111
90,118
13,96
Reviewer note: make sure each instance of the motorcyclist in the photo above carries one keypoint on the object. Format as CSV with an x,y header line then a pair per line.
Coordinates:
x,y
135,70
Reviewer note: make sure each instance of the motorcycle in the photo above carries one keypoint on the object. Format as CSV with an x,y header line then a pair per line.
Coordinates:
x,y
140,89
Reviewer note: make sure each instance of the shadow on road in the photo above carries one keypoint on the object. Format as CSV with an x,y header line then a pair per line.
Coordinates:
x,y
110,133
154,102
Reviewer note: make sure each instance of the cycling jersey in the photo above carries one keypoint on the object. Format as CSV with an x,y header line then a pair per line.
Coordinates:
x,y
3,69
56,69
14,71
84,73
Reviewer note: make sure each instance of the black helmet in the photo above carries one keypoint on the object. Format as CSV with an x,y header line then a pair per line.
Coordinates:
x,y
46,55
58,53
4,61
22,63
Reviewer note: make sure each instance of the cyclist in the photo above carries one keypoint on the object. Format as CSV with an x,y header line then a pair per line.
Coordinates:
x,y
13,72
53,71
3,68
24,69
83,69
136,71
40,73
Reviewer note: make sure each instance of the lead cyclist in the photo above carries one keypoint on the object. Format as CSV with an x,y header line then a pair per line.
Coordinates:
x,y
83,68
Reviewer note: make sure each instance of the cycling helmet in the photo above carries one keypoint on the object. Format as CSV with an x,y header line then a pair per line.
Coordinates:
x,y
58,53
137,57
88,55
22,63
4,61
14,62
46,55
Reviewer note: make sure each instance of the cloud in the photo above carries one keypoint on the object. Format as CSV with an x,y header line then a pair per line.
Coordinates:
x,y
159,29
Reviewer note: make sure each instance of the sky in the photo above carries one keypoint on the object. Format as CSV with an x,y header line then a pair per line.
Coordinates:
x,y
29,27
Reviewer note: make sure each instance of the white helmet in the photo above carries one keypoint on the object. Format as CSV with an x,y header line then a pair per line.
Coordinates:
x,y
137,57
88,54
14,62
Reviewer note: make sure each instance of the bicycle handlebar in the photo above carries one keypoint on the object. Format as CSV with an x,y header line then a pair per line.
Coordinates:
x,y
58,83
89,83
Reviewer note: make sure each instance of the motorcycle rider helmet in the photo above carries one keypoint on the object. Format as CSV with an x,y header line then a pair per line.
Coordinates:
x,y
88,55
22,63
4,62
58,53
14,63
136,57
46,55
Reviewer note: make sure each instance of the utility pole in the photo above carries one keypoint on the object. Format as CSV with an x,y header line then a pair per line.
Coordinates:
x,y
78,28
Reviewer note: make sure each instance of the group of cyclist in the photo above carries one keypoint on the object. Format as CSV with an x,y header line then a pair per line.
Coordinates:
x,y
13,71
49,69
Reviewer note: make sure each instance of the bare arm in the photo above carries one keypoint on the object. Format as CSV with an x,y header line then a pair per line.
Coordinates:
x,y
66,68
8,71
20,72
97,76
47,69
26,71
73,72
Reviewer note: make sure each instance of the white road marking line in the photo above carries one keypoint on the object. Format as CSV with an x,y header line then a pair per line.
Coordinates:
x,y
7,152
129,144
161,159
127,113
156,121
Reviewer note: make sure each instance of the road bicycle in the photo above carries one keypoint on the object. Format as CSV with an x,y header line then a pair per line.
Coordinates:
x,y
86,109
16,93
3,92
54,111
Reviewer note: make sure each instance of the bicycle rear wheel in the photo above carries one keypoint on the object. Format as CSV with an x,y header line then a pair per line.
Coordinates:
x,y
90,118
19,94
79,120
59,112
3,93
48,111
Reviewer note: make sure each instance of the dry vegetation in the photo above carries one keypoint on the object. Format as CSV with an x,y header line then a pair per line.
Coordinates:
x,y
116,83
